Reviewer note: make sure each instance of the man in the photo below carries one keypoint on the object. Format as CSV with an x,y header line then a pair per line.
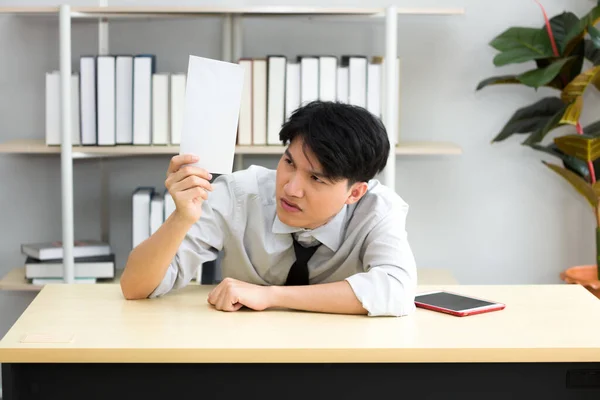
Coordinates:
x,y
319,234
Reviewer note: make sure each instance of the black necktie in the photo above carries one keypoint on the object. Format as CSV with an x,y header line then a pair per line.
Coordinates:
x,y
298,274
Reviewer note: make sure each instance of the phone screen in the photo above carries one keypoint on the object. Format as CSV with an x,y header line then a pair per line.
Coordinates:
x,y
451,301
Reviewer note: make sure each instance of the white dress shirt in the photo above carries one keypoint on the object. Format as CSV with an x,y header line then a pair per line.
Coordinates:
x,y
365,243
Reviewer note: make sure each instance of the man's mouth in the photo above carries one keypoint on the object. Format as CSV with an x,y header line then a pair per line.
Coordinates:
x,y
289,206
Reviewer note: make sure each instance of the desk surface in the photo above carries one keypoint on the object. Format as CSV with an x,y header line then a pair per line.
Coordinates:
x,y
540,323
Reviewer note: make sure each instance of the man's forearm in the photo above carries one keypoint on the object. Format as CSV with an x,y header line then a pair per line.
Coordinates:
x,y
148,262
335,298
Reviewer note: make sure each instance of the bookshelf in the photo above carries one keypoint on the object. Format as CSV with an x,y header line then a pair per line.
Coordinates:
x,y
231,51
37,146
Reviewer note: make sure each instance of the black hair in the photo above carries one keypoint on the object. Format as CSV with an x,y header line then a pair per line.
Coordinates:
x,y
349,141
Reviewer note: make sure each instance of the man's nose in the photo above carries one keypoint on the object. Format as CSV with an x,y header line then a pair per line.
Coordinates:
x,y
294,187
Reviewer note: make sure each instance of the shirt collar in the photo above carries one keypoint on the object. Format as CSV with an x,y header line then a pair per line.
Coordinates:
x,y
329,234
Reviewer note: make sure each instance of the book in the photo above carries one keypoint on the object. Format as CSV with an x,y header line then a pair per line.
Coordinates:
x,y
157,211
160,109
141,200
292,89
275,97
143,68
342,84
357,79
54,250
309,79
124,99
374,89
327,78
105,86
87,100
85,267
259,102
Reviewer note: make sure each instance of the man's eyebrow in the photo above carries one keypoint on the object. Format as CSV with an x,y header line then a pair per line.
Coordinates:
x,y
289,155
312,172
319,174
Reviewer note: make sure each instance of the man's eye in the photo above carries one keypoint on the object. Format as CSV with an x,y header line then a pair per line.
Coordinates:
x,y
287,160
316,179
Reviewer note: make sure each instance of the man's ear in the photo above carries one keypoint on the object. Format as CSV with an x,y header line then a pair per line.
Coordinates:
x,y
357,191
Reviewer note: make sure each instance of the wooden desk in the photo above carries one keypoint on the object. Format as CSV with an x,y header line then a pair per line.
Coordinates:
x,y
547,339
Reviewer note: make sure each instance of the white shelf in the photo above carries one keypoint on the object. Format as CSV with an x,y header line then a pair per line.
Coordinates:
x,y
108,12
15,280
37,146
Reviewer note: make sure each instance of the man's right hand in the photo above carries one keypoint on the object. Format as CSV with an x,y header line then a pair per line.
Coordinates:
x,y
188,186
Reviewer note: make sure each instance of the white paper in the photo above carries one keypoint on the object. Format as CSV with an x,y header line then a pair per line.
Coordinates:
x,y
212,107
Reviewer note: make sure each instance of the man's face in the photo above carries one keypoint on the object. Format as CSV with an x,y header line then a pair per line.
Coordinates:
x,y
305,198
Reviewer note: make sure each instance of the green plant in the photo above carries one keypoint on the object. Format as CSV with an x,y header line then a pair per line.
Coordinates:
x,y
559,49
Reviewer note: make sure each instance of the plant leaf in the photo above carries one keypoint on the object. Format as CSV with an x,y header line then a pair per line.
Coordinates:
x,y
516,37
579,184
517,56
571,163
577,32
542,76
577,86
596,187
573,112
519,44
592,53
583,147
551,123
561,24
594,35
531,118
570,70
592,129
496,80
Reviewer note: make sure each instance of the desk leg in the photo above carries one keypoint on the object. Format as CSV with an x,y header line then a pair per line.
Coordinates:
x,y
548,381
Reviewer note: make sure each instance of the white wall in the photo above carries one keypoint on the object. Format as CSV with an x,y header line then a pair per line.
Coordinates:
x,y
492,215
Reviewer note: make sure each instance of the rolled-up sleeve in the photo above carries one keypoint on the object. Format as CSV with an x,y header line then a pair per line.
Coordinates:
x,y
203,241
387,286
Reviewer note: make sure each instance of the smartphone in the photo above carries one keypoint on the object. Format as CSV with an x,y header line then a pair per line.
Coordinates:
x,y
456,304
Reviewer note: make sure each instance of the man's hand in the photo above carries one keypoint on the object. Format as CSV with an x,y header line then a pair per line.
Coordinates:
x,y
231,295
188,186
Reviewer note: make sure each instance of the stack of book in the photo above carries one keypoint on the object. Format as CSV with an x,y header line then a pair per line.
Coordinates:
x,y
118,100
275,86
150,208
93,260
123,100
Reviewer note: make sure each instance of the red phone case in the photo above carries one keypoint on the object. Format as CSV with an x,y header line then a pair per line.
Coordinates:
x,y
465,313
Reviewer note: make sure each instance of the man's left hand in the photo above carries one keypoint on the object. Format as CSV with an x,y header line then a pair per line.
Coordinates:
x,y
231,295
